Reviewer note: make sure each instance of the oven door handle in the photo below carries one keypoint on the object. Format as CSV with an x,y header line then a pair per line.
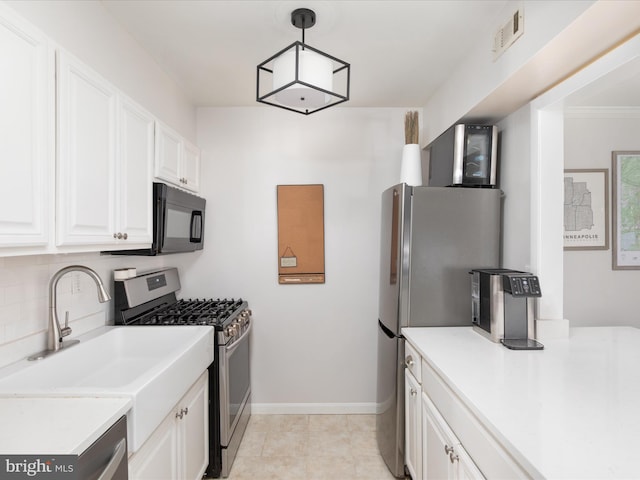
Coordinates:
x,y
229,349
115,461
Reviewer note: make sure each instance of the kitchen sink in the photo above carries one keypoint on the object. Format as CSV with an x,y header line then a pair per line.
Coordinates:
x,y
153,365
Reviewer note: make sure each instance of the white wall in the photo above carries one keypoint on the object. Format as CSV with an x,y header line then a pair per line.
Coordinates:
x,y
24,295
594,293
312,344
514,178
88,32
479,75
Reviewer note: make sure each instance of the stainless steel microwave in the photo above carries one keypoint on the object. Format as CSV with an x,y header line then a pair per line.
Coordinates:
x,y
464,156
178,222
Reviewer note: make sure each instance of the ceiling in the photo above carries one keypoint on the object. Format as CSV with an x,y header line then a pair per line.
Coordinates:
x,y
400,51
618,88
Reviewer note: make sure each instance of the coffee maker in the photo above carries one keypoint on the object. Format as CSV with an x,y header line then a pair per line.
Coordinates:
x,y
502,302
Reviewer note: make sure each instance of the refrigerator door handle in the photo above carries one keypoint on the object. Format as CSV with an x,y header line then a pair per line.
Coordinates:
x,y
386,331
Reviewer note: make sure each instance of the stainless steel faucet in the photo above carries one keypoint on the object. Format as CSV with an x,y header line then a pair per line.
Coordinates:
x,y
57,333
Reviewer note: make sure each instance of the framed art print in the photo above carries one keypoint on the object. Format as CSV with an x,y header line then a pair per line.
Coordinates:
x,y
626,210
586,209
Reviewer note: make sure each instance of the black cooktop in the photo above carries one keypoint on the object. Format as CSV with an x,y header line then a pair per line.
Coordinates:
x,y
194,312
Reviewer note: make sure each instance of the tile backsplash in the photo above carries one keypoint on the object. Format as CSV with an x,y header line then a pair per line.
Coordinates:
x,y
24,297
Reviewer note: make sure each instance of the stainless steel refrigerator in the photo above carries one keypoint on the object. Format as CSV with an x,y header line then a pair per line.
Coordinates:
x,y
431,238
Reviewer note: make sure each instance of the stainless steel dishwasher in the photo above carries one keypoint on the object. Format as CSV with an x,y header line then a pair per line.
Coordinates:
x,y
106,458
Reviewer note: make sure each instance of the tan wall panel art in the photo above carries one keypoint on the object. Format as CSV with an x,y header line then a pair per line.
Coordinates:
x,y
300,234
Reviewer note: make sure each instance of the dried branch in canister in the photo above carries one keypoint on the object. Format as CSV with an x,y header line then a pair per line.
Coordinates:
x,y
411,127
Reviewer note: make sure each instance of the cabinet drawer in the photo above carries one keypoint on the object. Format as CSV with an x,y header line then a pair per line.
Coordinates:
x,y
413,361
493,460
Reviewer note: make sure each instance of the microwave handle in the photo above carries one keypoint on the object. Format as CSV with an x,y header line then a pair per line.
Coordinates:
x,y
196,227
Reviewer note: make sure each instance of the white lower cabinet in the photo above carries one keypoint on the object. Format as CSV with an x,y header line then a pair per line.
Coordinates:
x,y
178,448
443,456
432,450
158,457
444,439
413,413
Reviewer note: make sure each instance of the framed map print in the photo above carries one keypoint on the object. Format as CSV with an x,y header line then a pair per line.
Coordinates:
x,y
586,209
626,210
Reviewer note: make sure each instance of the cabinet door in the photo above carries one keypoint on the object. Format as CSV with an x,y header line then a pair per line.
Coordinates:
x,y
191,167
158,458
443,454
413,426
437,444
135,173
27,124
194,430
168,154
465,468
86,155
179,448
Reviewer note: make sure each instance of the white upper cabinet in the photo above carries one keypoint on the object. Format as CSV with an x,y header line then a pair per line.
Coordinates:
x,y
168,154
134,189
105,161
77,156
191,167
27,99
177,161
87,107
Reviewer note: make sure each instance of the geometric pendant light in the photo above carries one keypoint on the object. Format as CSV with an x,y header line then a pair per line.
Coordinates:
x,y
301,78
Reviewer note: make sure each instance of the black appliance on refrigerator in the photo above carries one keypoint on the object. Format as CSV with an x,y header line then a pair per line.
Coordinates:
x,y
464,156
431,237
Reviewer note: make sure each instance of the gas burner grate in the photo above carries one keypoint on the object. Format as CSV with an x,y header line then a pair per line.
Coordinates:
x,y
195,312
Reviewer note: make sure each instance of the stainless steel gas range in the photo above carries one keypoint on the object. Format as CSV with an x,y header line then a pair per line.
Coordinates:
x,y
150,299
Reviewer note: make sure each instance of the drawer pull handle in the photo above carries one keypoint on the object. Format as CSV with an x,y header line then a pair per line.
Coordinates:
x,y
409,361
413,392
453,458
448,450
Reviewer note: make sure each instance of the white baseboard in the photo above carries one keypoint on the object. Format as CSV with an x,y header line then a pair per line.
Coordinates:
x,y
313,408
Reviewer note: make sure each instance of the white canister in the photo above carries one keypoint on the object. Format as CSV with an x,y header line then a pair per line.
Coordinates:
x,y
121,274
411,167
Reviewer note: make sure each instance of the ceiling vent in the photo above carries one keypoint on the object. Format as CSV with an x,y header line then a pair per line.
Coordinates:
x,y
508,33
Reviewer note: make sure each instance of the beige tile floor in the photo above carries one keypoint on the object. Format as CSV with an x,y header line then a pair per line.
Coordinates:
x,y
310,447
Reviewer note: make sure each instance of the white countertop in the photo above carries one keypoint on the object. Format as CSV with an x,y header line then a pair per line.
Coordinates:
x,y
60,425
571,410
